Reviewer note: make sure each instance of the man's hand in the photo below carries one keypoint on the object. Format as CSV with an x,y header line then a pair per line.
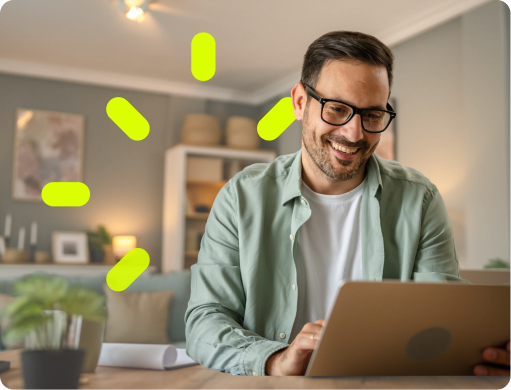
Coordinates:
x,y
497,356
294,359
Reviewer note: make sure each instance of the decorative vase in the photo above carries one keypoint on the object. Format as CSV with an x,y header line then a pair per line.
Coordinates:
x,y
15,256
91,338
109,255
96,256
241,132
52,369
201,129
41,257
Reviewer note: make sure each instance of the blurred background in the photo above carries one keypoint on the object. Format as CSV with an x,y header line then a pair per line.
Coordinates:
x,y
451,93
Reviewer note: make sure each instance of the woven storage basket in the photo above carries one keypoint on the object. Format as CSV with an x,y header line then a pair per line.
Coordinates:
x,y
241,132
201,129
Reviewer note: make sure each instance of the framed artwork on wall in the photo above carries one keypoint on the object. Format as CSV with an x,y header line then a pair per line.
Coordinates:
x,y
48,147
387,148
70,247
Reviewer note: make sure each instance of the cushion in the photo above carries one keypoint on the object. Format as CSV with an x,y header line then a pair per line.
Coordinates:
x,y
180,283
137,317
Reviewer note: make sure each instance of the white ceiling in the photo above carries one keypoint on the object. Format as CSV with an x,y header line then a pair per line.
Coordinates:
x,y
260,43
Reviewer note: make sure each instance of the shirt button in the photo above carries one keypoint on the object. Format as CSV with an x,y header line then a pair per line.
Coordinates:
x,y
292,237
282,335
304,202
254,373
293,287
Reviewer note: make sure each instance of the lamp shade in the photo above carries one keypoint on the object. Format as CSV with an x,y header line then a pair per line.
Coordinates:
x,y
123,244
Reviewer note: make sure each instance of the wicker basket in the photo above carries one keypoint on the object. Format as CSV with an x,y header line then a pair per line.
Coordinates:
x,y
201,129
241,132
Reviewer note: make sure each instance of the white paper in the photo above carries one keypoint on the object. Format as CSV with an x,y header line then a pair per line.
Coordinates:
x,y
148,356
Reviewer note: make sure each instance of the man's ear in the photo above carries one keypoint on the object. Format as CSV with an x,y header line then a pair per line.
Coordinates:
x,y
299,97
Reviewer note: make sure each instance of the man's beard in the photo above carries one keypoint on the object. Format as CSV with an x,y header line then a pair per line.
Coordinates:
x,y
320,154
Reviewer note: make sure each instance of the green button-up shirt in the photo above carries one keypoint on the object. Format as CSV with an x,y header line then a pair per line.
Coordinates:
x,y
243,306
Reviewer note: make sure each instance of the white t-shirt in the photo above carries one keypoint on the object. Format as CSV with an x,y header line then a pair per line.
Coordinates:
x,y
329,250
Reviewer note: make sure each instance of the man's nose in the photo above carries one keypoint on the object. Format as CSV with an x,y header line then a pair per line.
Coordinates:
x,y
353,130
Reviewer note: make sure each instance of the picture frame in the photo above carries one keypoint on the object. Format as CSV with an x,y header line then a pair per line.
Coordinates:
x,y
70,247
387,148
48,147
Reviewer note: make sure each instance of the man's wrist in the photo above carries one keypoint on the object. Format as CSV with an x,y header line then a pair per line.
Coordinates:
x,y
272,364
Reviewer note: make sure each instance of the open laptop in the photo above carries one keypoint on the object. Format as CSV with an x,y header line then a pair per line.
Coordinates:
x,y
410,328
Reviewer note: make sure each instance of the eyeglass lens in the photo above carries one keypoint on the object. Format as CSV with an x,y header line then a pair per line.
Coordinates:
x,y
372,120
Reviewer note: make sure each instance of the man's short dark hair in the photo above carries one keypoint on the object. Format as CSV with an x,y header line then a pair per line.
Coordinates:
x,y
344,45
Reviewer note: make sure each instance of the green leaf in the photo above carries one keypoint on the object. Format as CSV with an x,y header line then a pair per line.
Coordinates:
x,y
15,306
82,301
497,263
18,332
30,310
43,288
103,235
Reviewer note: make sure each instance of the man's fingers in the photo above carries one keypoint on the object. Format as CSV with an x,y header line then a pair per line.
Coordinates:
x,y
488,370
306,341
320,322
310,327
496,355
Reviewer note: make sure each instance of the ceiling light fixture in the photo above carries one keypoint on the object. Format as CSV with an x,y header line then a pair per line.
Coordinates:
x,y
135,9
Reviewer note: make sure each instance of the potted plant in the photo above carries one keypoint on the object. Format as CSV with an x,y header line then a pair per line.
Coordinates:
x,y
100,245
497,263
48,313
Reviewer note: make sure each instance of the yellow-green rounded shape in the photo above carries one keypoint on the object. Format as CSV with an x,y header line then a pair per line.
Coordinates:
x,y
278,119
128,269
129,120
65,194
203,56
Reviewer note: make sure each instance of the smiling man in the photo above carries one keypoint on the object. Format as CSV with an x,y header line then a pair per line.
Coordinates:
x,y
281,236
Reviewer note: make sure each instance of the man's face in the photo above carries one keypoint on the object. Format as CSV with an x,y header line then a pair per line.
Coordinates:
x,y
360,85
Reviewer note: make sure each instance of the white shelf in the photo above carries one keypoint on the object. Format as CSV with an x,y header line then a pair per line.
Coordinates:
x,y
175,184
10,271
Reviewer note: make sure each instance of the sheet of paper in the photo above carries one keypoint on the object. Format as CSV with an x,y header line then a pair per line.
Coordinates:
x,y
149,356
182,358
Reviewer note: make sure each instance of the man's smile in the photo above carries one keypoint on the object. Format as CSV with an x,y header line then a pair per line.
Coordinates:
x,y
343,152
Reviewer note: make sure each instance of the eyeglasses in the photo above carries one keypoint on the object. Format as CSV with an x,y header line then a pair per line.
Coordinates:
x,y
338,113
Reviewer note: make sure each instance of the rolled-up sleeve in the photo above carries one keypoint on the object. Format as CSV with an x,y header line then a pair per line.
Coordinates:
x,y
436,258
215,337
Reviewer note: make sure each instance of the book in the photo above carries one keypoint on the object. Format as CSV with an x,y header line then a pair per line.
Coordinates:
x,y
148,356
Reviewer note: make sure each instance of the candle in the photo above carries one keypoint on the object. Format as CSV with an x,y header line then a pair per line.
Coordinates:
x,y
8,222
33,234
21,238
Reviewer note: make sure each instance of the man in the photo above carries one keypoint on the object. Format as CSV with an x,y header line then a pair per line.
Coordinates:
x,y
280,236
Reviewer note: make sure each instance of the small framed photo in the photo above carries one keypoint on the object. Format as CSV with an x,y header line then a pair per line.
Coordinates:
x,y
70,248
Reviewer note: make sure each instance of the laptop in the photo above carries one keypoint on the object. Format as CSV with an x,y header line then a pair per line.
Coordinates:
x,y
410,328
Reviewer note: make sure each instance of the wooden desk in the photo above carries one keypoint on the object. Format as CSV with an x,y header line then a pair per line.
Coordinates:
x,y
198,377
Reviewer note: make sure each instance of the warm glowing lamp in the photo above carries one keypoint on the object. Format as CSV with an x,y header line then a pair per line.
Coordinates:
x,y
123,244
135,14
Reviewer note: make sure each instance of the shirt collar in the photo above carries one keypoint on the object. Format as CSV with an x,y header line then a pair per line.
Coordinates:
x,y
292,188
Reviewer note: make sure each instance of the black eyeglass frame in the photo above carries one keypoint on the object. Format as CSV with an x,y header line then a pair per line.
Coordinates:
x,y
356,110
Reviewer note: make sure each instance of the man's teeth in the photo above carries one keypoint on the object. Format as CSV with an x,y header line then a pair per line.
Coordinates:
x,y
343,149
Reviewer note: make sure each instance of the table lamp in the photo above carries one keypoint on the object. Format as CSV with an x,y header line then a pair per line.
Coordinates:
x,y
123,244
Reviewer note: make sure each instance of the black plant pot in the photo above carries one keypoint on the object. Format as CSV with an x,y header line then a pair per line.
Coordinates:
x,y
52,369
96,256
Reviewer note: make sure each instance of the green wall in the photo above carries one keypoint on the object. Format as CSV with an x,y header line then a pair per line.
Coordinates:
x,y
125,177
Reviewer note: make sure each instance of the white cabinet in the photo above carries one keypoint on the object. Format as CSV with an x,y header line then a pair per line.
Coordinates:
x,y
187,201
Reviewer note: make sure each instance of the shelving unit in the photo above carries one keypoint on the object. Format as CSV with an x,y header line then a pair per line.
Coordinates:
x,y
181,195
